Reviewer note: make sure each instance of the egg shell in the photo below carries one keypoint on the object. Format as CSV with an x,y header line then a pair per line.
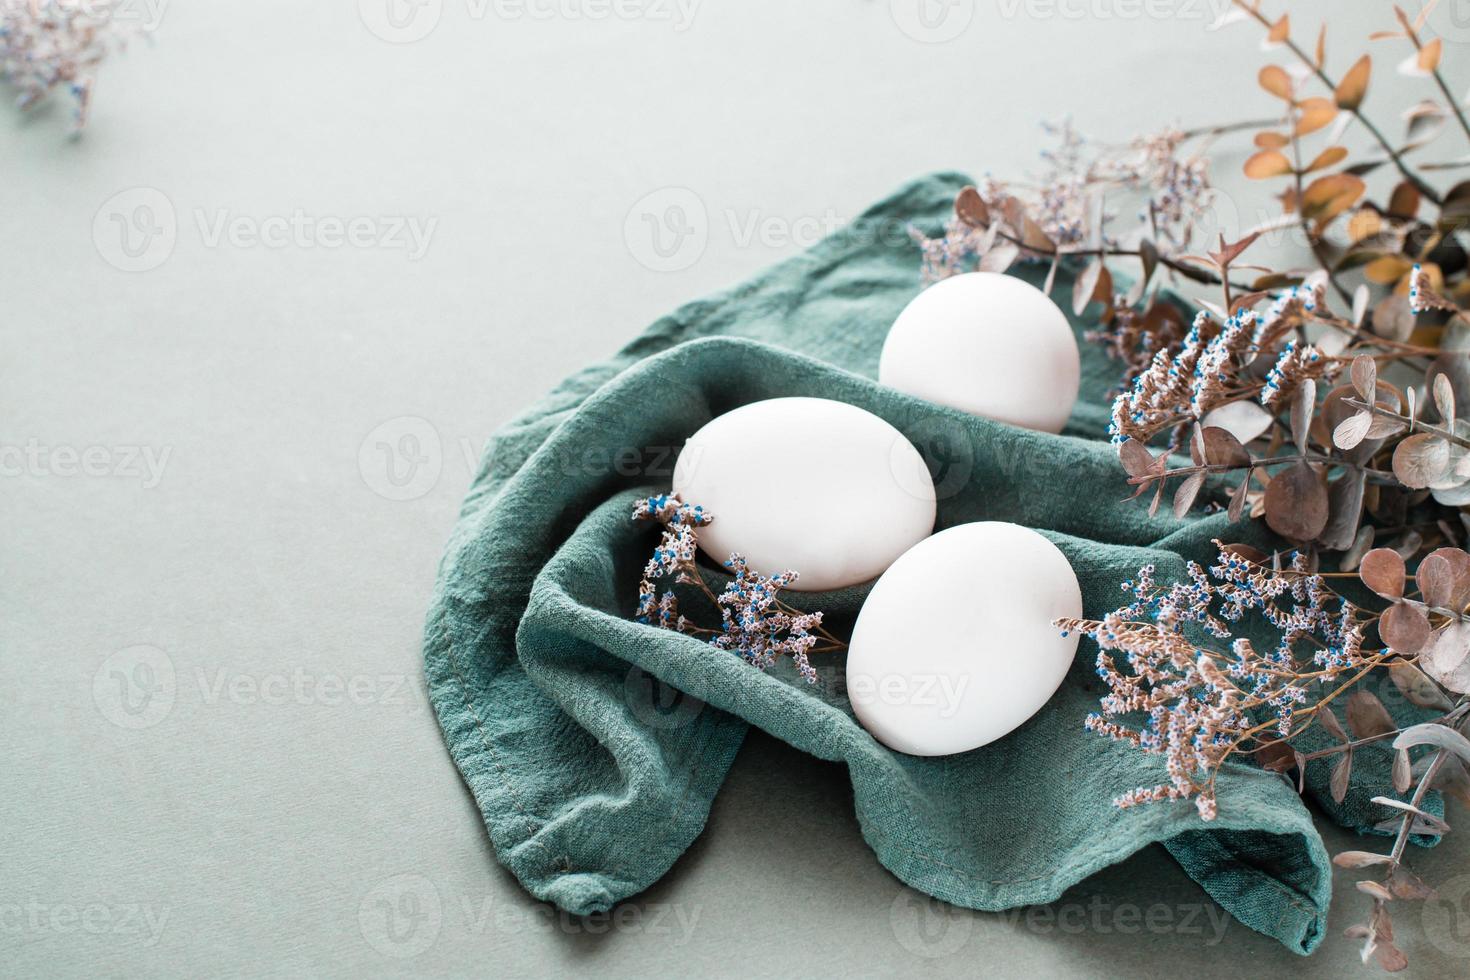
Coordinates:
x,y
987,344
954,646
812,485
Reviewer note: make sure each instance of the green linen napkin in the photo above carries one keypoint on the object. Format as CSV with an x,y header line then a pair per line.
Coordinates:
x,y
594,746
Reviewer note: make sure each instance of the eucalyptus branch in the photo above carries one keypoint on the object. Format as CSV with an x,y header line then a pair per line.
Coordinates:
x,y
1394,155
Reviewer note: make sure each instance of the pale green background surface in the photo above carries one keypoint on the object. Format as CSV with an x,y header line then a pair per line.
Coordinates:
x,y
292,779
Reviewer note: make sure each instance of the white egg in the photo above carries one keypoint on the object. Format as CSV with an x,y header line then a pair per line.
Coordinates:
x,y
988,344
954,646
816,486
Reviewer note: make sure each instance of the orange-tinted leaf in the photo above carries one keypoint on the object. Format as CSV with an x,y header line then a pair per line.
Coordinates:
x,y
1327,197
1267,140
1315,113
1388,269
1274,79
1429,55
1321,58
1267,163
1354,85
1280,31
1329,157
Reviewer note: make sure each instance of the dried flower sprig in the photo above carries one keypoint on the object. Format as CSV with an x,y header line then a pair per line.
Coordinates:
x,y
1184,684
46,46
756,624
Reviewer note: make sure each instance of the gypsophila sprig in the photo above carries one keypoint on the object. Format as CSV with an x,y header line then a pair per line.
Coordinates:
x,y
756,624
48,46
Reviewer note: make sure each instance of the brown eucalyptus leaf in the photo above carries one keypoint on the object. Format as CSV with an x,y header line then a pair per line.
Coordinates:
x,y
1360,546
1393,319
1390,958
1365,376
1420,460
1404,628
1185,496
1444,399
1237,500
1221,448
1404,203
1455,366
1352,430
1436,581
1137,460
970,208
1402,779
1360,859
1341,773
1407,885
1095,283
1329,721
1383,571
1416,687
1447,659
1276,756
1244,419
1303,404
1344,509
1354,85
1459,563
1268,140
1296,503
1000,258
1366,715
1197,445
